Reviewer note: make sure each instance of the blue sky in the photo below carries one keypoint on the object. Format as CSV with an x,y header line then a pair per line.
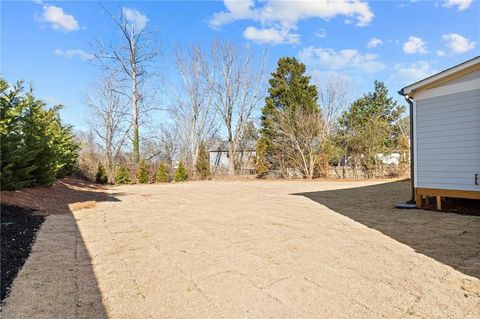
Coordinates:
x,y
47,43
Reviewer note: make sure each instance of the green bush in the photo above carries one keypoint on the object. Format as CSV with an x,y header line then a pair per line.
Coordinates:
x,y
181,173
36,147
162,174
261,164
101,176
142,173
202,165
122,176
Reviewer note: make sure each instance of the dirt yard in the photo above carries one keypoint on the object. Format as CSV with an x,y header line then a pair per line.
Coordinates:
x,y
251,249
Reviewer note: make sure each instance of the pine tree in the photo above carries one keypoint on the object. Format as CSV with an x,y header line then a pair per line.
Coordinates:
x,y
142,172
162,174
289,89
202,165
101,176
370,126
291,118
181,173
122,176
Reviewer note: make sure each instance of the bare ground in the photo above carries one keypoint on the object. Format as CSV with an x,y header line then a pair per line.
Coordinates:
x,y
256,249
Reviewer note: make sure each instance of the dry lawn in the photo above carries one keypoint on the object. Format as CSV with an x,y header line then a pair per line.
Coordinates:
x,y
252,249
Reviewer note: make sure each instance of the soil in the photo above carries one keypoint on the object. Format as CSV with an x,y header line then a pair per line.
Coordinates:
x,y
250,249
57,198
19,227
462,206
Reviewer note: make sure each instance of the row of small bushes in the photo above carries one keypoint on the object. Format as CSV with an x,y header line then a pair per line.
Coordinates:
x,y
123,175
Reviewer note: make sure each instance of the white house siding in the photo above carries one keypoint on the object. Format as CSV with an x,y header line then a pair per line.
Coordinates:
x,y
448,141
218,160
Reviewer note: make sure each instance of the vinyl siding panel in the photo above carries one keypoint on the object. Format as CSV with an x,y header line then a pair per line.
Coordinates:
x,y
448,140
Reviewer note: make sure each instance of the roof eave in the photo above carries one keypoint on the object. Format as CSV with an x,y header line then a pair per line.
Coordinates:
x,y
438,76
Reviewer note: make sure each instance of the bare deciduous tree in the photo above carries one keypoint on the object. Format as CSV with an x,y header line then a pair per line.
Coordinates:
x,y
109,119
300,134
235,79
133,57
332,96
192,110
167,146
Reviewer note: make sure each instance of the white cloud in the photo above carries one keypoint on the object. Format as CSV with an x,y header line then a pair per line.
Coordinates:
x,y
441,53
58,19
457,43
414,45
374,42
270,35
460,4
137,19
348,60
321,33
74,53
411,73
285,15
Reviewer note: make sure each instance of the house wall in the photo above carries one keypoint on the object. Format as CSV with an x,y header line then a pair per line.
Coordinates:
x,y
219,161
447,130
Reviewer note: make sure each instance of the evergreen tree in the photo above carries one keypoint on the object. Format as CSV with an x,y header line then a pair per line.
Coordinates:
x,y
17,161
261,163
142,172
36,147
101,176
291,118
202,165
181,173
162,174
289,90
370,126
122,176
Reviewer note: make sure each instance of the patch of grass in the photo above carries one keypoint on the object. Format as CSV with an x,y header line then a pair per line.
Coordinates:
x,y
82,205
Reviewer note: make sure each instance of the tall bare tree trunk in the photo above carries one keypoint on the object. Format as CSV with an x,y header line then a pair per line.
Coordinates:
x,y
136,147
133,58
311,168
133,62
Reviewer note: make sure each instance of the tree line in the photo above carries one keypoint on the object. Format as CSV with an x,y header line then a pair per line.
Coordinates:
x,y
213,96
301,126
301,130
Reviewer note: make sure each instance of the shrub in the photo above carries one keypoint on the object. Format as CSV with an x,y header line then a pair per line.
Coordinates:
x,y
122,175
261,164
36,146
142,172
181,173
101,176
162,174
202,165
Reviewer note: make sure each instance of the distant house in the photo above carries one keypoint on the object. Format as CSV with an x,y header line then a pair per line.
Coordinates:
x,y
390,159
445,122
220,159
